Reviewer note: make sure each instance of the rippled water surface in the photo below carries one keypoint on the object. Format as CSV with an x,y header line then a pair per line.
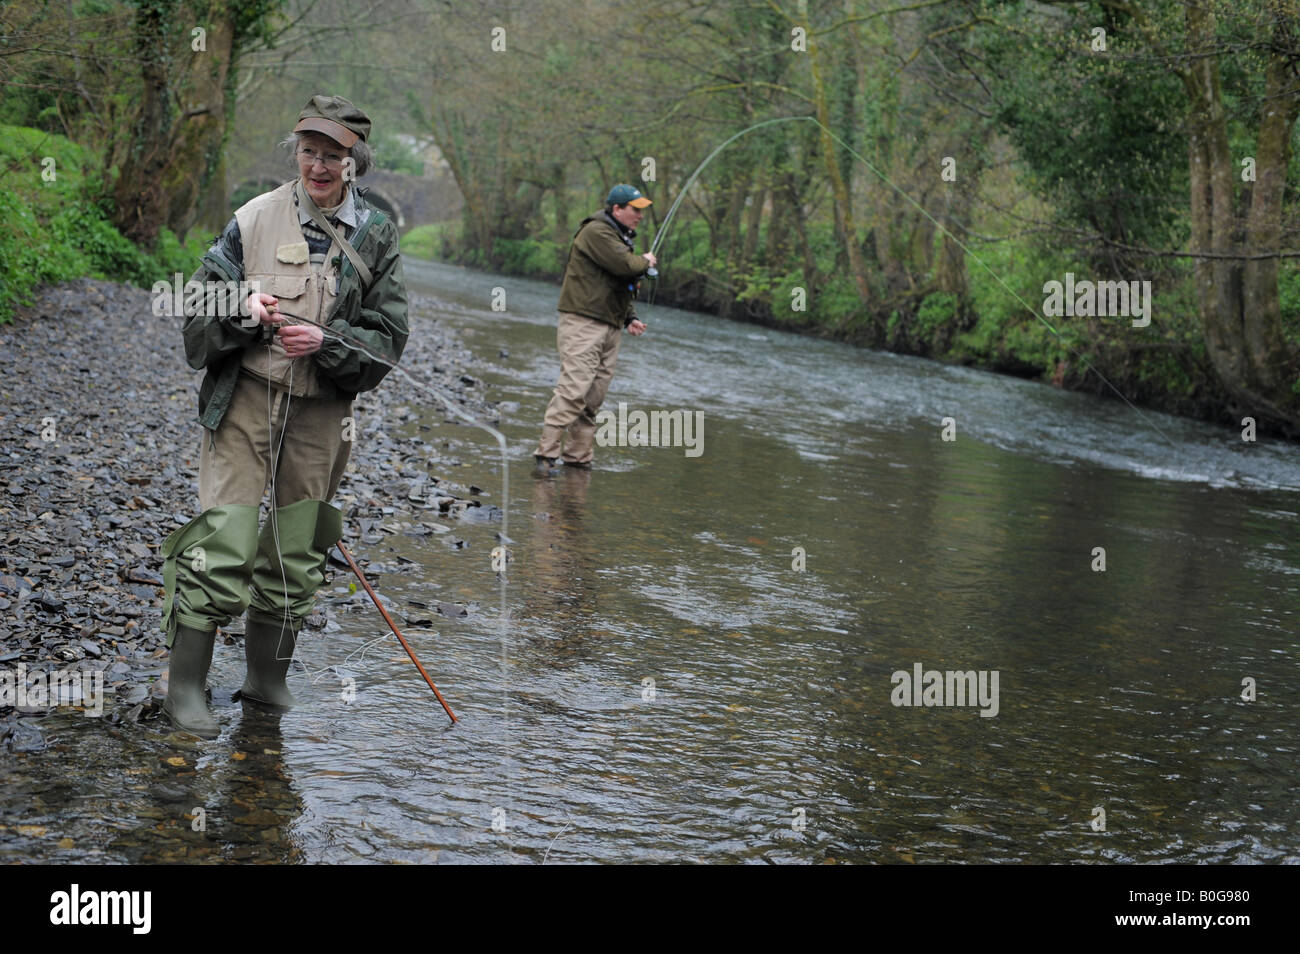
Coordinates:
x,y
656,682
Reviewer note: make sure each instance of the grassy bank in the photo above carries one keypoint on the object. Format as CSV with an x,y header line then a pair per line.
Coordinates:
x,y
56,224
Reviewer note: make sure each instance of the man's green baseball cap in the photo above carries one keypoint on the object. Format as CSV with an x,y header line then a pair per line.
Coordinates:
x,y
627,195
335,117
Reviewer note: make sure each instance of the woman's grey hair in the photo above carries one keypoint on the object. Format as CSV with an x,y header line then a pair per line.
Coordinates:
x,y
360,152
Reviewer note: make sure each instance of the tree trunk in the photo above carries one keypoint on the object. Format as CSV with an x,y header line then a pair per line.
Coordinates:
x,y
795,194
732,232
1275,361
200,131
950,269
754,218
474,216
180,126
845,230
138,195
564,228
1239,308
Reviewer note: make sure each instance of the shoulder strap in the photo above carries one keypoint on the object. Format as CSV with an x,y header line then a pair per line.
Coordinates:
x,y
323,223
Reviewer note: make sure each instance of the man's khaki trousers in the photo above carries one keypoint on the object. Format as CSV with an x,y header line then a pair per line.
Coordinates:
x,y
588,354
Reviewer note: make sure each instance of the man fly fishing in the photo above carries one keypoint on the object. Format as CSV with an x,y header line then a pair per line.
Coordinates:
x,y
596,304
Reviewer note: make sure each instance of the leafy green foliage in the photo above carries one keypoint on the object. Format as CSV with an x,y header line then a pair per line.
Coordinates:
x,y
534,258
1288,288
58,229
425,241
938,309
395,155
1100,130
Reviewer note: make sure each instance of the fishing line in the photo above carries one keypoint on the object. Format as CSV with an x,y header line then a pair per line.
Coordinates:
x,y
448,402
452,405
672,210
285,619
663,230
363,649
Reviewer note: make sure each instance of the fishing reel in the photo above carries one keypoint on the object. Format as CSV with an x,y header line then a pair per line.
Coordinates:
x,y
635,287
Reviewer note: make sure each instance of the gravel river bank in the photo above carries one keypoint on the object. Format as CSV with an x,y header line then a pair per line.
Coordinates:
x,y
99,444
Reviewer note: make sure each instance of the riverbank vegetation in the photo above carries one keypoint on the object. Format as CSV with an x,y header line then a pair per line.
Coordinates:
x,y
962,156
55,226
968,154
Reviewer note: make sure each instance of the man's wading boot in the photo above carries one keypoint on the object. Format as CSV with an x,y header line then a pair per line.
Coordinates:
x,y
187,704
268,647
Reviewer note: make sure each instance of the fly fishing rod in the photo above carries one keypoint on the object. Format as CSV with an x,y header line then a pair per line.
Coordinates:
x,y
451,405
393,626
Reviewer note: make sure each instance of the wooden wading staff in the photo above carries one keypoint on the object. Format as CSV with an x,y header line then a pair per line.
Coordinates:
x,y
393,626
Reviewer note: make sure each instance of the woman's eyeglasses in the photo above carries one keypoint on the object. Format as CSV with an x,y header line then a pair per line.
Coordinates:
x,y
309,157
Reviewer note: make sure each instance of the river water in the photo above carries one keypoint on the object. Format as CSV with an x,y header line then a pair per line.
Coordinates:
x,y
659,680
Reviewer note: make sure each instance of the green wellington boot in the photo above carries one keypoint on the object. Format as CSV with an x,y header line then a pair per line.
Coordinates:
x,y
187,704
268,647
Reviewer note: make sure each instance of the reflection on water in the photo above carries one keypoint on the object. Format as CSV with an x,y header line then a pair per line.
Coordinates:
x,y
676,689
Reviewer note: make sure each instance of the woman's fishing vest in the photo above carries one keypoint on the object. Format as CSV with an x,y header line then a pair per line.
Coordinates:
x,y
276,256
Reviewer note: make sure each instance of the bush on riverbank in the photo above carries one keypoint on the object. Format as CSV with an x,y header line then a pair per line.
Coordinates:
x,y
55,225
996,326
527,258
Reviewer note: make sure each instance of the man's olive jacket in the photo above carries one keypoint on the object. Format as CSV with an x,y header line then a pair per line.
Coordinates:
x,y
602,268
374,317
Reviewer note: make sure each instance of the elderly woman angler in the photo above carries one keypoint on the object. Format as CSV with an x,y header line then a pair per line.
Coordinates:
x,y
276,408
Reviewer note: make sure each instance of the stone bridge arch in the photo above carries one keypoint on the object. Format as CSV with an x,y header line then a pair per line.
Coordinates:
x,y
384,202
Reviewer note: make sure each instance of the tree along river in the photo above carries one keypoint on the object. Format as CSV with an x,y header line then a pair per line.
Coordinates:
x,y
658,680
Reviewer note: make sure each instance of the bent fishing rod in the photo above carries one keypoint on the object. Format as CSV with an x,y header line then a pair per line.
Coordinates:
x,y
663,231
